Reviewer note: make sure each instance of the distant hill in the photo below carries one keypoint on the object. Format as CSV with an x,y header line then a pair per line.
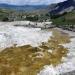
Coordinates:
x,y
62,7
24,7
63,13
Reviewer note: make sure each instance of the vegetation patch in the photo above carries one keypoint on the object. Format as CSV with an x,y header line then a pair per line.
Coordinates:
x,y
65,20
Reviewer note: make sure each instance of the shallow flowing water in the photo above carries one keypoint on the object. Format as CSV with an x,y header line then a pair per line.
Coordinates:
x,y
32,51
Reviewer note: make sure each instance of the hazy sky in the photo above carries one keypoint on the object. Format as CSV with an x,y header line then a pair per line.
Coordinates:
x,y
31,2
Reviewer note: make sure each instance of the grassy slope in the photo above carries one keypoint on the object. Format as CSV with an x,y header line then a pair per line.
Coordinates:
x,y
5,13
68,18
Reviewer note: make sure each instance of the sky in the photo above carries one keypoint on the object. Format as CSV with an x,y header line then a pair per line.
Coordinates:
x,y
30,2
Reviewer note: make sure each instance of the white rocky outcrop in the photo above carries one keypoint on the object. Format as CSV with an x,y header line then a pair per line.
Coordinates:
x,y
10,35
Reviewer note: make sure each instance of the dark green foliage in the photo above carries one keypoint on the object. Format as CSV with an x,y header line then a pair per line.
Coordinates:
x,y
32,18
5,19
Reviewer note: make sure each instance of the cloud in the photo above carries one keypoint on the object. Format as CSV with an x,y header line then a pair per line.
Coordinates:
x,y
31,2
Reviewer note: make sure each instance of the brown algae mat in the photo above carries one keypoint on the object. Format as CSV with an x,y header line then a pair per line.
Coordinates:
x,y
28,60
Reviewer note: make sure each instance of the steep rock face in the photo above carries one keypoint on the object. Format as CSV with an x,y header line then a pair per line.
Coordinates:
x,y
62,7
